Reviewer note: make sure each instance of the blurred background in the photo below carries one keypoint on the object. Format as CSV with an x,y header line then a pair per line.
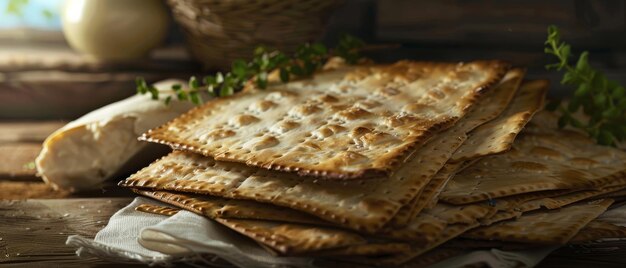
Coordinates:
x,y
45,74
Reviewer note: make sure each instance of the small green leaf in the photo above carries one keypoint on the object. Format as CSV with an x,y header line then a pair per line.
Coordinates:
x,y
240,68
284,75
582,90
168,100
226,91
209,80
261,80
568,78
319,49
193,83
182,95
618,92
599,99
582,65
177,87
260,50
611,113
606,138
154,92
195,97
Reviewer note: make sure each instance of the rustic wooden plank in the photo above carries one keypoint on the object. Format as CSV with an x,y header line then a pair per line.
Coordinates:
x,y
16,161
59,56
33,232
16,190
27,131
598,24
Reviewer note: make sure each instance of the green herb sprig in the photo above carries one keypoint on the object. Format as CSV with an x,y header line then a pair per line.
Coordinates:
x,y
603,101
307,59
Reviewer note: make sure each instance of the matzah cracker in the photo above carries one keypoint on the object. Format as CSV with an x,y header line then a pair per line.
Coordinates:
x,y
566,199
545,227
538,162
447,234
493,104
351,122
493,137
428,225
217,207
513,206
597,230
293,239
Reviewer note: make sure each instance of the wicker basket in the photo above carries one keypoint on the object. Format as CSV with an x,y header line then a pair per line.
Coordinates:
x,y
220,31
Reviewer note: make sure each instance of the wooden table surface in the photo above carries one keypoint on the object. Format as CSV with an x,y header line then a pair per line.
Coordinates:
x,y
35,220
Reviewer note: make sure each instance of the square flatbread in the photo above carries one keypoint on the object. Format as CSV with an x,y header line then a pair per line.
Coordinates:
x,y
350,122
540,160
216,207
490,107
544,227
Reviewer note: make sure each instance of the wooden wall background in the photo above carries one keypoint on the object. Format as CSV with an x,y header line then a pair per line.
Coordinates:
x,y
49,81
512,30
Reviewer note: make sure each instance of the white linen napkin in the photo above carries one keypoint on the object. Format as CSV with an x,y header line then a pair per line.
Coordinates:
x,y
133,236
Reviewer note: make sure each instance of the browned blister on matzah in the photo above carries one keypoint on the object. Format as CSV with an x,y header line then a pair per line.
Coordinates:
x,y
544,227
350,122
538,161
597,230
217,207
159,210
497,136
291,238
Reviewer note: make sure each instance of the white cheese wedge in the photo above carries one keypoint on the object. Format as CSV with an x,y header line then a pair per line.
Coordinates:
x,y
87,151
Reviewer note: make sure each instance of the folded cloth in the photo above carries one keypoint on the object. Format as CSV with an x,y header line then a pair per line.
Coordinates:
x,y
133,236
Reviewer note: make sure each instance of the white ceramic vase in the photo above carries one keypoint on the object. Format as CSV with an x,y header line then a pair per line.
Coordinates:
x,y
115,30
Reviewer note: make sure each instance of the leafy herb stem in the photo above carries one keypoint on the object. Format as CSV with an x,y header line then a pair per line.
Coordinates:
x,y
307,59
602,101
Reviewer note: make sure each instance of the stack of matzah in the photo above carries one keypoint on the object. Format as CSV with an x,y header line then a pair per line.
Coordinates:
x,y
399,164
